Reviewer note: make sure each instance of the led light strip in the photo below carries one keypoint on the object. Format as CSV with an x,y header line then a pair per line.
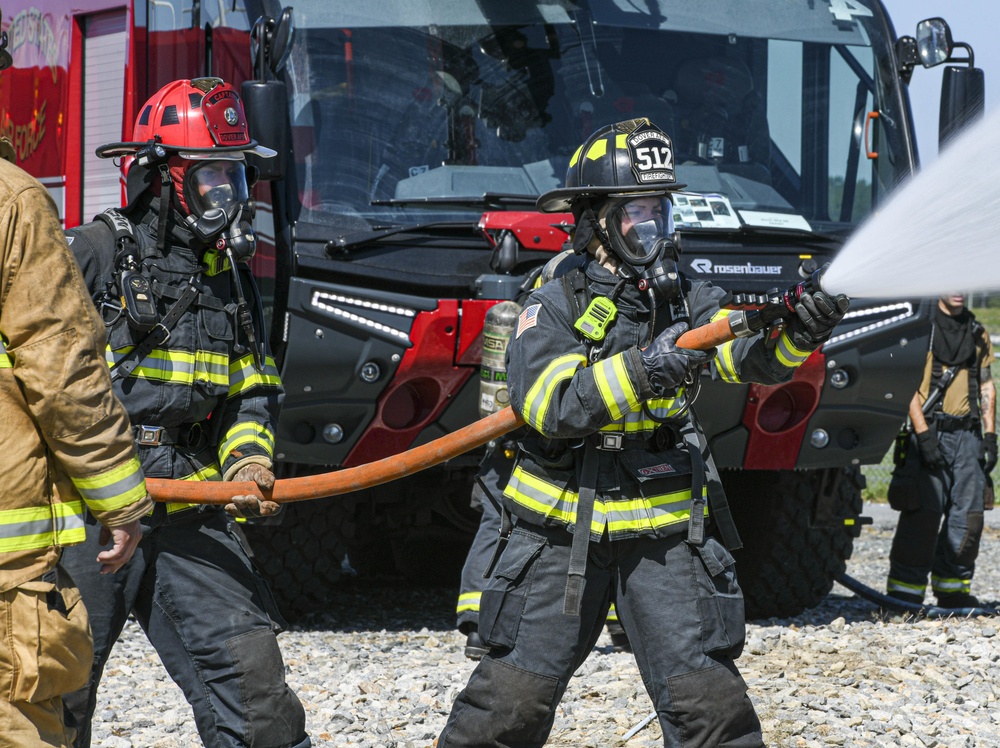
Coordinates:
x,y
319,296
906,312
363,303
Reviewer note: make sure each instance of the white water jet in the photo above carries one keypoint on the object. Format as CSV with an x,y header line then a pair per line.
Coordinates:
x,y
939,233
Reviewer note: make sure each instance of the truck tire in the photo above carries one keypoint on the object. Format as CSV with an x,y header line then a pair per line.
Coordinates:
x,y
787,564
301,558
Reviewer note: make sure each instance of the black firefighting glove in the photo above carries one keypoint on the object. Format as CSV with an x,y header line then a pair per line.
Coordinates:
x,y
817,313
252,505
930,449
666,365
988,458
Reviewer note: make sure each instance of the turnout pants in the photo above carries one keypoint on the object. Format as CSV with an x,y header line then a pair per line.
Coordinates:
x,y
45,651
947,549
202,604
680,606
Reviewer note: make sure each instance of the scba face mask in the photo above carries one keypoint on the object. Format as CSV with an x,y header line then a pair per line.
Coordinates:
x,y
218,198
640,231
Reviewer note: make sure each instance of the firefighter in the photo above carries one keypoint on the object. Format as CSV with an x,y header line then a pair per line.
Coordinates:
x,y
65,444
497,464
956,445
612,447
188,358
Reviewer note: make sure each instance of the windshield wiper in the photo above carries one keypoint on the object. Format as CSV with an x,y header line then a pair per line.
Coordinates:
x,y
486,200
361,238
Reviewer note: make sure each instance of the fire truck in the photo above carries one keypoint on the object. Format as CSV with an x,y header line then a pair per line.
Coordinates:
x,y
413,141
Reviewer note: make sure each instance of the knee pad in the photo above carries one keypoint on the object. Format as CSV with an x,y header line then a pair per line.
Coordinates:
x,y
711,707
968,549
272,713
502,705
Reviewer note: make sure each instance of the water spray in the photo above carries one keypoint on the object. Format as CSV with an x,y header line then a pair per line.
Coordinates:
x,y
937,234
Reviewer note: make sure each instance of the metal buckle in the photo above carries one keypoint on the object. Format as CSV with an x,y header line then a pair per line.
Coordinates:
x,y
611,442
151,435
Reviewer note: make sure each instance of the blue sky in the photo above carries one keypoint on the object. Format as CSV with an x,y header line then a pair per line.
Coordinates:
x,y
975,22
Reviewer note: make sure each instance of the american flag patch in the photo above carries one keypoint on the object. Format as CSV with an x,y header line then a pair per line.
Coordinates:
x,y
528,319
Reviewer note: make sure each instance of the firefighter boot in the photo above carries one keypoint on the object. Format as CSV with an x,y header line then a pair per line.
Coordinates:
x,y
957,600
475,648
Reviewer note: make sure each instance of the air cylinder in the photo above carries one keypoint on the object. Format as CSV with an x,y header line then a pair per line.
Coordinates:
x,y
498,326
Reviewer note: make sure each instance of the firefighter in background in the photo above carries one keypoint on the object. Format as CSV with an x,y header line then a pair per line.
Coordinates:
x,y
189,361
956,444
65,446
614,493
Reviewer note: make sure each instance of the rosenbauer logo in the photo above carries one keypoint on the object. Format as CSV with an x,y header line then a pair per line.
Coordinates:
x,y
704,266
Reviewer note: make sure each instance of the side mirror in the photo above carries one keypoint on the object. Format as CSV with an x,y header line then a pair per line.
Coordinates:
x,y
963,97
266,107
934,42
281,41
271,43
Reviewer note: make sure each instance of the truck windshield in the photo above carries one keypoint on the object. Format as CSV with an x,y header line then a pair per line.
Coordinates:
x,y
409,111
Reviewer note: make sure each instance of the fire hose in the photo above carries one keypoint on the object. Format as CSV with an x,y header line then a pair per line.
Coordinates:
x,y
756,313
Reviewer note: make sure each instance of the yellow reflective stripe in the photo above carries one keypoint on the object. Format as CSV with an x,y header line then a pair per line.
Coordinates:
x,y
620,516
243,375
113,489
621,141
5,362
540,395
650,513
246,433
612,614
28,528
637,421
950,584
576,156
541,496
177,367
614,385
724,358
209,472
788,355
895,585
468,601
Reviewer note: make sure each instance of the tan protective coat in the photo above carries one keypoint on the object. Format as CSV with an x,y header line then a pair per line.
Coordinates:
x,y
59,421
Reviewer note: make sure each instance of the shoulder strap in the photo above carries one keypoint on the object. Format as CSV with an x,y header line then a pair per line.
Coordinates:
x,y
575,287
126,240
979,335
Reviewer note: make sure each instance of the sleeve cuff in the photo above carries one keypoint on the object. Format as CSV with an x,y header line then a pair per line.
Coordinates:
x,y
247,460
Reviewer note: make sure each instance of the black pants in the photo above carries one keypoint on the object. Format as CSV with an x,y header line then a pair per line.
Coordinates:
x,y
203,605
680,606
941,536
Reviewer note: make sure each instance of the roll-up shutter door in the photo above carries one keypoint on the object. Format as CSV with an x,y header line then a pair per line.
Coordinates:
x,y
103,95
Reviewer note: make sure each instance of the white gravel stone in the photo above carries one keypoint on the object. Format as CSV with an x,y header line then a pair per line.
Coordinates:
x,y
383,667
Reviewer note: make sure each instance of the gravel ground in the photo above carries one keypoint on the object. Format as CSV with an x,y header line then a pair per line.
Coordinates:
x,y
382,670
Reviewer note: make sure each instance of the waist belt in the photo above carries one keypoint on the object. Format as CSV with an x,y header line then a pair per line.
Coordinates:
x,y
156,436
663,438
945,423
615,441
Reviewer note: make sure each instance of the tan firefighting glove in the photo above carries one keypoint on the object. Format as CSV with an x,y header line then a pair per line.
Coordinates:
x,y
251,505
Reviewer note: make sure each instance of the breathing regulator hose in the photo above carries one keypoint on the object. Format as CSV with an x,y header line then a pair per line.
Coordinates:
x,y
737,324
